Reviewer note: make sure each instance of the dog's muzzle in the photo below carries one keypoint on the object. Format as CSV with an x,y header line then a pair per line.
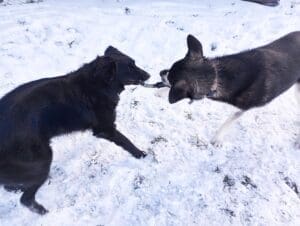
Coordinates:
x,y
164,77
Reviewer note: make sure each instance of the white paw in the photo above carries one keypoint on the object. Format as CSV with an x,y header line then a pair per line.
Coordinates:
x,y
216,142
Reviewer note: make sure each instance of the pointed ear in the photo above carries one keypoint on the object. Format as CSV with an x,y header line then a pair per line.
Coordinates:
x,y
111,51
106,70
195,51
115,54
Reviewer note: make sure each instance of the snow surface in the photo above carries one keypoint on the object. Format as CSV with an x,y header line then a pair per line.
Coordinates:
x,y
251,180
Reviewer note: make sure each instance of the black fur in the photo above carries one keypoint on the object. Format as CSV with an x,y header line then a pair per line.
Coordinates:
x,y
35,112
248,79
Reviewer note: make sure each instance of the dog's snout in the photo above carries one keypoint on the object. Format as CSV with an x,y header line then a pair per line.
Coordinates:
x,y
164,77
164,73
146,76
143,75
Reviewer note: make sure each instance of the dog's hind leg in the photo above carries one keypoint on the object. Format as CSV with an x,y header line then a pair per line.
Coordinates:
x,y
218,138
30,175
30,189
28,199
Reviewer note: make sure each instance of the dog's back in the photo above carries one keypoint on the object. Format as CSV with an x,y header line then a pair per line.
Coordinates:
x,y
281,65
13,111
286,44
38,111
259,75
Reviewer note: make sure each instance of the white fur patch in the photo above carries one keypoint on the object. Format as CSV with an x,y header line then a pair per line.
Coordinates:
x,y
164,78
217,140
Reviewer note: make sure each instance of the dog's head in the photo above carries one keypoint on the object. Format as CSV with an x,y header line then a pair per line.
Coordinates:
x,y
191,77
127,73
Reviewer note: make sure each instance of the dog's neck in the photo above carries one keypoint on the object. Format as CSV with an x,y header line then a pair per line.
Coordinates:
x,y
117,87
219,89
110,90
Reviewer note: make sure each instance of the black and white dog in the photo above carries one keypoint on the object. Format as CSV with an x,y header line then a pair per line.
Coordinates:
x,y
33,113
246,80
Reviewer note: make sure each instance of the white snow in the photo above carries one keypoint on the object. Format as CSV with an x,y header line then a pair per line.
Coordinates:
x,y
94,182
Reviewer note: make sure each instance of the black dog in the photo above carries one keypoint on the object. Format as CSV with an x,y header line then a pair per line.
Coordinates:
x,y
248,79
35,112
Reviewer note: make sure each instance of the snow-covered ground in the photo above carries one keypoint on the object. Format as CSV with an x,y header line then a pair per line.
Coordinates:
x,y
251,180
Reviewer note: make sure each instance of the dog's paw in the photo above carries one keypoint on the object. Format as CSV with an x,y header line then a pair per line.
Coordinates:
x,y
144,154
36,208
39,209
140,154
216,143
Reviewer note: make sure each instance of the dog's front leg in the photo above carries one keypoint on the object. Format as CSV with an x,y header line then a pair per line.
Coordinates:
x,y
218,138
119,139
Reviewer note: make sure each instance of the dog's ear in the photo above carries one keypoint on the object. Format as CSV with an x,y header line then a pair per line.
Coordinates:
x,y
195,51
110,71
106,69
115,54
111,51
